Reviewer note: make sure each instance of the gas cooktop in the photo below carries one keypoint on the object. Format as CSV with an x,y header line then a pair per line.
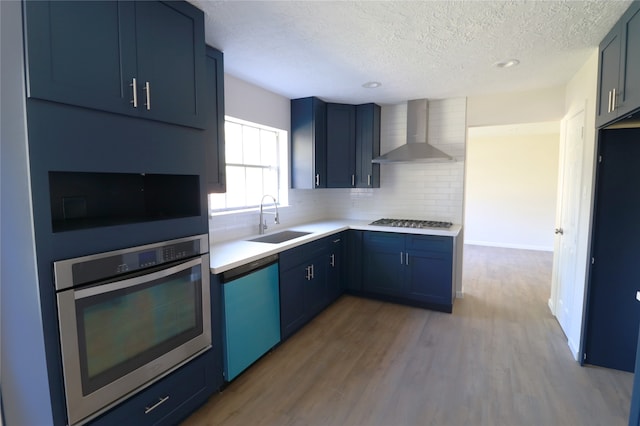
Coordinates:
x,y
411,223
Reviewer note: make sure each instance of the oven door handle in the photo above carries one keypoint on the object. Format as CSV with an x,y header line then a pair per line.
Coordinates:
x,y
132,282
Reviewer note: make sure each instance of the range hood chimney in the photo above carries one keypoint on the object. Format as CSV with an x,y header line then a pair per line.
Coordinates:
x,y
416,150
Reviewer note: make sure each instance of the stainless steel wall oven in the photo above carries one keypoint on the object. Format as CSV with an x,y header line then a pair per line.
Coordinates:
x,y
129,317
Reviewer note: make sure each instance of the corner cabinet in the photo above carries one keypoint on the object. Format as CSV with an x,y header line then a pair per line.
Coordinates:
x,y
308,143
407,268
619,69
144,59
332,144
214,98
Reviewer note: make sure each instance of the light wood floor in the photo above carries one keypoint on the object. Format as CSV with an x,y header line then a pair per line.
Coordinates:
x,y
499,359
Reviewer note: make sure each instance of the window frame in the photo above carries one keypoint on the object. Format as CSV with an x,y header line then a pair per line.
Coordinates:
x,y
282,170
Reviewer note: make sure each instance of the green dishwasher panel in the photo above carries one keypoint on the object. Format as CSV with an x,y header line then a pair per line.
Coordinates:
x,y
251,318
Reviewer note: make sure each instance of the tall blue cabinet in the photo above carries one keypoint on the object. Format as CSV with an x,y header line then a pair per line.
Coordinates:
x,y
86,118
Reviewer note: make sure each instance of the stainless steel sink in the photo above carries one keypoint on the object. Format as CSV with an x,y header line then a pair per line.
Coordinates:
x,y
279,237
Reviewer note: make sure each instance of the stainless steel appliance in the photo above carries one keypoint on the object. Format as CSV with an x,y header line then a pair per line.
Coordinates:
x,y
129,317
412,223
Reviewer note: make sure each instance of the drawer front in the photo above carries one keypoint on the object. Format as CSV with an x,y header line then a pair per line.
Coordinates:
x,y
167,401
429,243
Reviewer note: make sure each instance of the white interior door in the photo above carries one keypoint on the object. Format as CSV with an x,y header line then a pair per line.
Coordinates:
x,y
565,261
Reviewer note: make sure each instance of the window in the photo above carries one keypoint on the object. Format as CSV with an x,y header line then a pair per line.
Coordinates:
x,y
254,155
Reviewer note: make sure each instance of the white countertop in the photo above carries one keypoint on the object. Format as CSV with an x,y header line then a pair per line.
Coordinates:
x,y
231,254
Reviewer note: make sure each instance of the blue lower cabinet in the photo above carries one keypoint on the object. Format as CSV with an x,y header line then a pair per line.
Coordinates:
x,y
293,314
336,271
311,278
407,268
383,263
353,264
169,400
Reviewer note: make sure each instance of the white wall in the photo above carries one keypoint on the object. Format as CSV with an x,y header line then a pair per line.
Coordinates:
x,y
581,93
515,108
511,182
25,385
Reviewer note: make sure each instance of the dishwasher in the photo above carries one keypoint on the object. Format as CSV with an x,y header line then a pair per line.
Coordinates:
x,y
251,313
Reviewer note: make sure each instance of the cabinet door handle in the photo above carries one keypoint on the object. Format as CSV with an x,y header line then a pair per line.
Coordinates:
x,y
147,89
406,256
337,240
401,258
609,106
318,180
368,180
613,101
312,272
308,276
353,180
134,88
161,401
333,260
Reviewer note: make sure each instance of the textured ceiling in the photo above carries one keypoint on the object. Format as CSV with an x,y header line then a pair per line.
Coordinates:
x,y
416,49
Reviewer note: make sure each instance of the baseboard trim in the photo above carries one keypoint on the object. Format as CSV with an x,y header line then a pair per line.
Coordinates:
x,y
574,350
507,245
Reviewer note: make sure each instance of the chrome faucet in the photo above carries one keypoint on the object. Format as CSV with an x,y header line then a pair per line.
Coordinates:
x,y
263,222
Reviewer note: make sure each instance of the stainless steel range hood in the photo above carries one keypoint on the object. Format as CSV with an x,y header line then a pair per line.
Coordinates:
x,y
416,150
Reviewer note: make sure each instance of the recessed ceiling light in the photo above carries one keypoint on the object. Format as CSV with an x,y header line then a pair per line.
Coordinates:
x,y
507,64
372,84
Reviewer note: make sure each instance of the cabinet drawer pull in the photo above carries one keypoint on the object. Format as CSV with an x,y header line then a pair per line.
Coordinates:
x,y
134,89
337,240
147,89
161,401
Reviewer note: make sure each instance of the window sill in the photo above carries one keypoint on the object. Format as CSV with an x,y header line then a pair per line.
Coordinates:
x,y
255,209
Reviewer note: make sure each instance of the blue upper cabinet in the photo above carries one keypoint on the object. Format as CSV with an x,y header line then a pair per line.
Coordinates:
x,y
332,144
619,69
341,146
144,59
308,143
367,145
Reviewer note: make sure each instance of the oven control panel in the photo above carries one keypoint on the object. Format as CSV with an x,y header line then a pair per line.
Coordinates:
x,y
88,269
